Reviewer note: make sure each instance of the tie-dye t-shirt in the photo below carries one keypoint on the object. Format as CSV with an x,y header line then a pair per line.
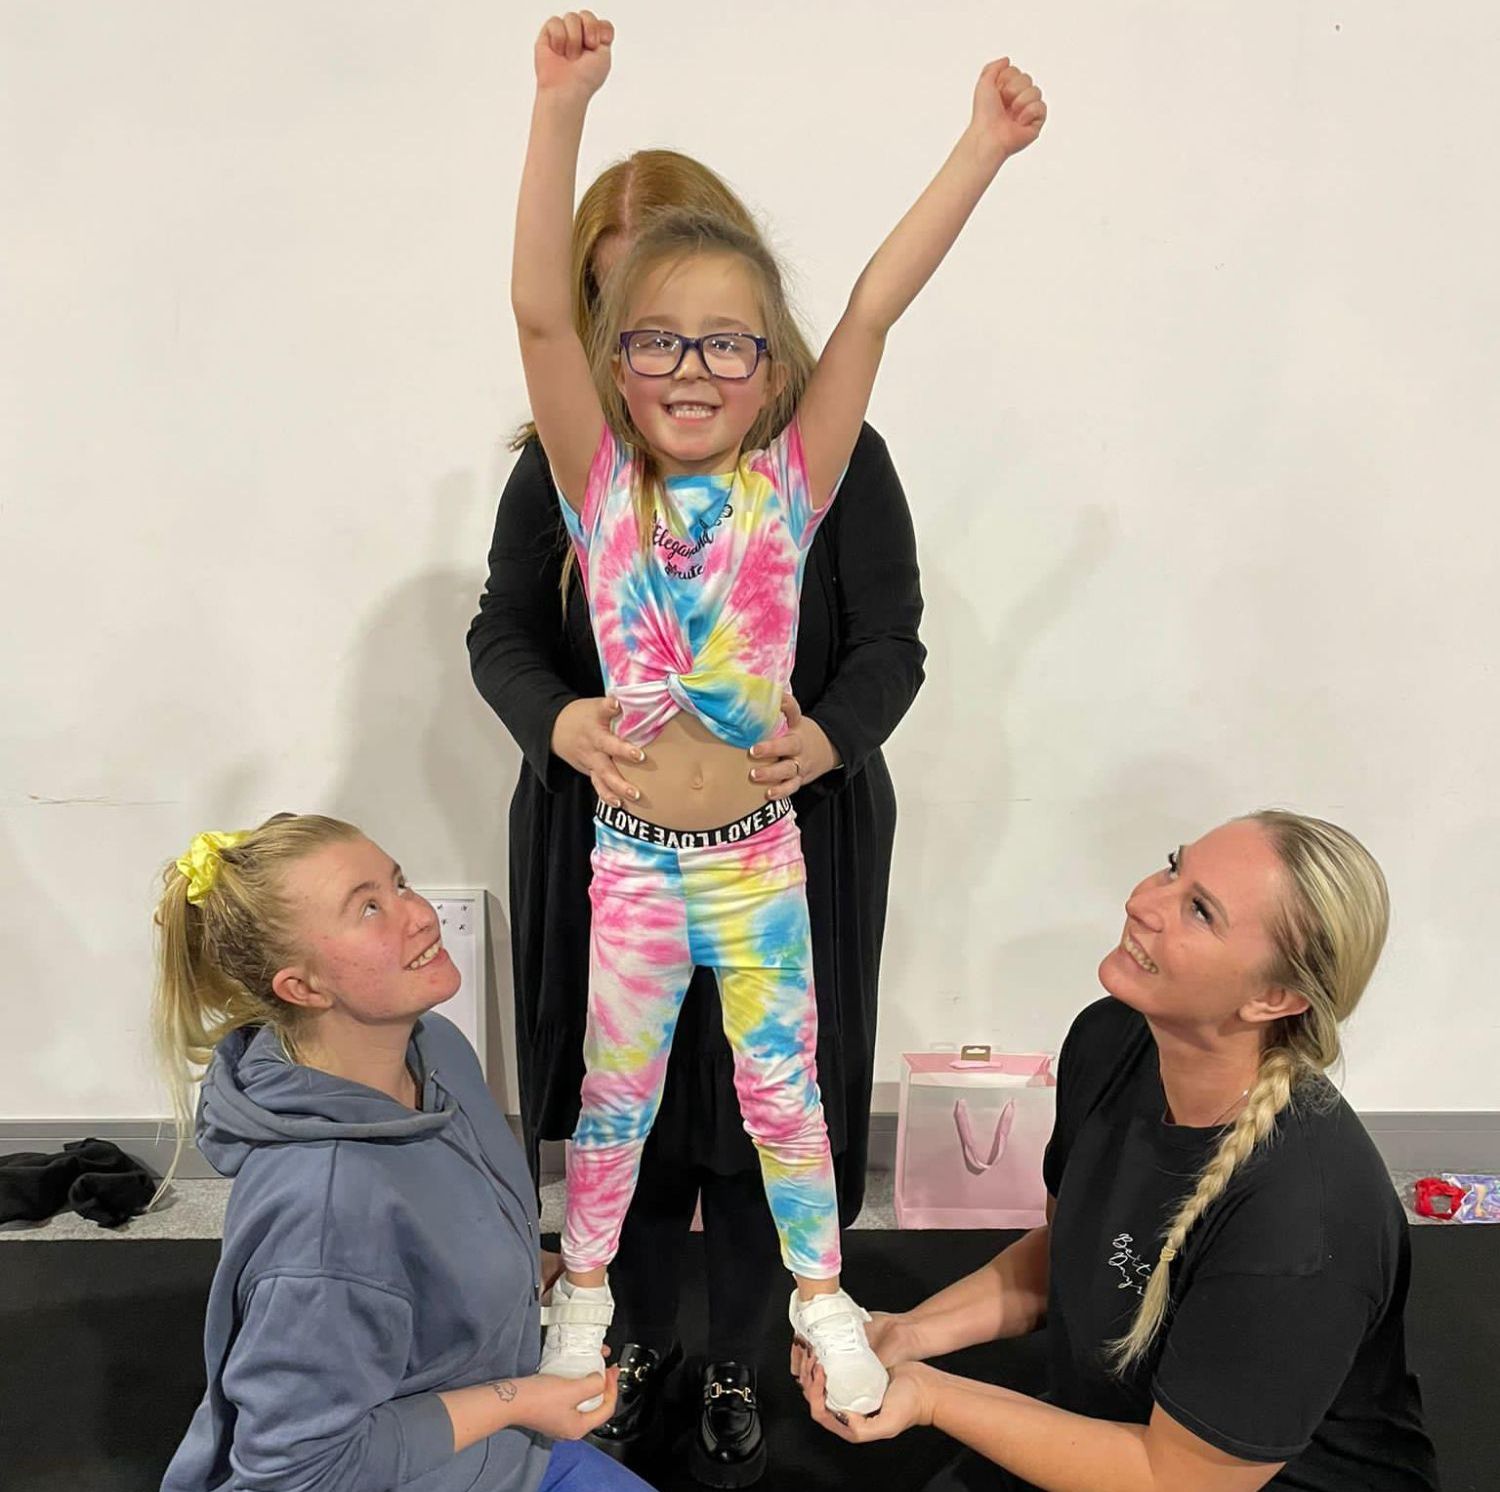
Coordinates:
x,y
705,620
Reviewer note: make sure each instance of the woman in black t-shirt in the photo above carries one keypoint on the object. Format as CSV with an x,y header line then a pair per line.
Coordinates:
x,y
1224,1270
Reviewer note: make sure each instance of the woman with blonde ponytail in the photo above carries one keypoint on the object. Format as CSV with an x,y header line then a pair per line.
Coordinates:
x,y
1224,1270
374,1321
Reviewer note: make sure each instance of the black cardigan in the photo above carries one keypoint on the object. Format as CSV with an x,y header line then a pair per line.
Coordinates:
x,y
859,666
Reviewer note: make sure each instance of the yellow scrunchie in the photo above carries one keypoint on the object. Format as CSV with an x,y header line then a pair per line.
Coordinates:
x,y
201,863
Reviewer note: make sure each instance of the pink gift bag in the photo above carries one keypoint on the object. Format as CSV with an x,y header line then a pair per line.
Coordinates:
x,y
969,1140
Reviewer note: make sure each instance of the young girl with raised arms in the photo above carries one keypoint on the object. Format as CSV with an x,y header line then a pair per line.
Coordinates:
x,y
693,474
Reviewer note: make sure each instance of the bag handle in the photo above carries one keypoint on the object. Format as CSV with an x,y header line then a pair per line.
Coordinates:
x,y
965,1126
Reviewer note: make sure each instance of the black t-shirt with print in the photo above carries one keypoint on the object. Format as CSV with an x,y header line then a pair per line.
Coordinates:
x,y
1285,1339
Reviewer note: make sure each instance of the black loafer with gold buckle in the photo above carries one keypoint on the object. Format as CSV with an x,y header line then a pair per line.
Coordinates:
x,y
729,1449
634,1430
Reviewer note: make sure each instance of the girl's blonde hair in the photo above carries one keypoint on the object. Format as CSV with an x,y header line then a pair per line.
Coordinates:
x,y
217,954
668,239
1328,933
621,200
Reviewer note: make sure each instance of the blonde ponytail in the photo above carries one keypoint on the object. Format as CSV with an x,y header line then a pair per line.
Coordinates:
x,y
223,932
1327,934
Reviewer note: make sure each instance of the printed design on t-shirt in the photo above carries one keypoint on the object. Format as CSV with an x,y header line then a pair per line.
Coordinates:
x,y
677,550
1135,1272
702,616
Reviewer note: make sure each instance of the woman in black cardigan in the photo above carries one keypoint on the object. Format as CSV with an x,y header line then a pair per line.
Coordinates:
x,y
859,665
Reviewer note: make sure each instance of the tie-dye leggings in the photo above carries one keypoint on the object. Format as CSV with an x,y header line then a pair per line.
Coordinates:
x,y
733,900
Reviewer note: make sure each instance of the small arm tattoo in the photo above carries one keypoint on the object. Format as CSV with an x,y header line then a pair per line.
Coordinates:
x,y
505,1389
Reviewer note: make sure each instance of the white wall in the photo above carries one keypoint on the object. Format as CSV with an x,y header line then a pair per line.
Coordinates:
x,y
1197,424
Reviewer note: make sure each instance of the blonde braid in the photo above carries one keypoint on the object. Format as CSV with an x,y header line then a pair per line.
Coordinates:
x,y
1280,1070
1327,934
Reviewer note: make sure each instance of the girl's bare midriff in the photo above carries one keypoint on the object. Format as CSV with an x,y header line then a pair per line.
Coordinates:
x,y
691,779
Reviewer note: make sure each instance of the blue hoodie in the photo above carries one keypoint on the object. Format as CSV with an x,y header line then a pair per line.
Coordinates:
x,y
373,1256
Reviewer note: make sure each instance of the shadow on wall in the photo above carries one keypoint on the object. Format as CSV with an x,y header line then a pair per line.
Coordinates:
x,y
28,911
430,768
955,817
1135,812
32,919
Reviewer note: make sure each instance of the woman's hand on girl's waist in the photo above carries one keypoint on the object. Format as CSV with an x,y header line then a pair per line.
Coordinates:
x,y
581,736
802,754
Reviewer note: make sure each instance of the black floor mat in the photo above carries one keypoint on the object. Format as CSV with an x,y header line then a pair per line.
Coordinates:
x,y
101,1359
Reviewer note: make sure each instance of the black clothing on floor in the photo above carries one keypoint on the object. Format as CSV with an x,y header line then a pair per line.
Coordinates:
x,y
859,665
93,1178
1286,1336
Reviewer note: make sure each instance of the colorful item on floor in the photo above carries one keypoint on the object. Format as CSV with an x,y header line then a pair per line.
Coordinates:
x,y
1438,1197
1481,1202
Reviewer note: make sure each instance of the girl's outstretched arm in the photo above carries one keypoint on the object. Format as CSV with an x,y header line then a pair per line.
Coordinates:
x,y
572,61
1008,116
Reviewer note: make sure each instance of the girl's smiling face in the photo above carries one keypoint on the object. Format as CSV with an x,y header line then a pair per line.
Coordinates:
x,y
692,421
